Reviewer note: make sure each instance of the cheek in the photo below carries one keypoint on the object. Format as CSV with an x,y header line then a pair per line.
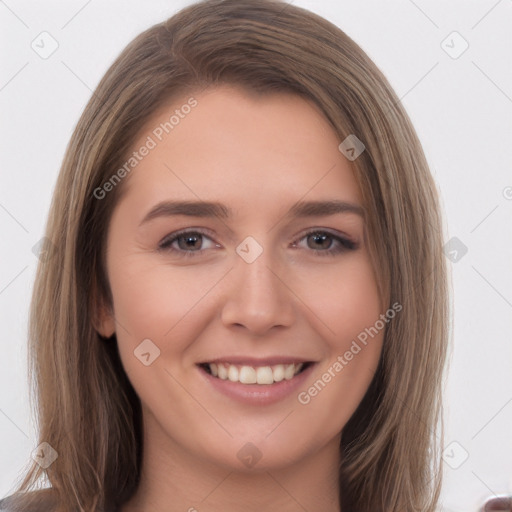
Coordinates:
x,y
347,305
163,304
344,298
150,299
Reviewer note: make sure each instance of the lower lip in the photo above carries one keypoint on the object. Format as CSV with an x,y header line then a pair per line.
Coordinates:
x,y
258,394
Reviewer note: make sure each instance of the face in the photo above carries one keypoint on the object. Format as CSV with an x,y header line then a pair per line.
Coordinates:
x,y
240,319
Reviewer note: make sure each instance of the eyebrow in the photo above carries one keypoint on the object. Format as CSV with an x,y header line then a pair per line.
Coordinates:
x,y
215,209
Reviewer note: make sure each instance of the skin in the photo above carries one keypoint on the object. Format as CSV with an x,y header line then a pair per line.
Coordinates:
x,y
258,156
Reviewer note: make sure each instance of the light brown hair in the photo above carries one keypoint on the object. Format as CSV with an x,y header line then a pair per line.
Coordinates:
x,y
86,408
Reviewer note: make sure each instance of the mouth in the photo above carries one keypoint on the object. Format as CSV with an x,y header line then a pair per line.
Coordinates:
x,y
264,375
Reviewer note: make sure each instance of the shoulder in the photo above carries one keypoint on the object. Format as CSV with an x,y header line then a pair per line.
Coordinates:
x,y
35,501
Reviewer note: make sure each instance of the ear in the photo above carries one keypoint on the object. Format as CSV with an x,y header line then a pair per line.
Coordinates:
x,y
102,316
104,322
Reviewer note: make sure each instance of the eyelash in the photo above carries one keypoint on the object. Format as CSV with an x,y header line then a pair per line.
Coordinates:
x,y
345,243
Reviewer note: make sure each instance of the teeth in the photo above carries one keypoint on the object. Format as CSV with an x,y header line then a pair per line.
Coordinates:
x,y
289,371
249,375
252,375
223,371
264,375
233,373
278,373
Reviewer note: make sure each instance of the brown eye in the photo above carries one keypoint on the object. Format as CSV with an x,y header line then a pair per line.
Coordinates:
x,y
319,241
325,243
187,243
190,241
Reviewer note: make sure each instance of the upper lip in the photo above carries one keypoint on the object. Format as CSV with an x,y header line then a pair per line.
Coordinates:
x,y
253,361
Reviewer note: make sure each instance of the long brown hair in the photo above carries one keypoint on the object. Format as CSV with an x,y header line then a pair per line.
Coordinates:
x,y
87,410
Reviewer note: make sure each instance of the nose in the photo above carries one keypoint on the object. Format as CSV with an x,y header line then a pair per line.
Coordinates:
x,y
258,297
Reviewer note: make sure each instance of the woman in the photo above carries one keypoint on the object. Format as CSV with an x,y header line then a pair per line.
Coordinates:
x,y
246,307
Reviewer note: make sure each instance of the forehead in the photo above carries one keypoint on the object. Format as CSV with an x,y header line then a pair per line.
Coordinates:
x,y
230,145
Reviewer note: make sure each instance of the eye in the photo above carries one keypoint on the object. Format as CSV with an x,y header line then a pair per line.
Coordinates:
x,y
325,243
188,242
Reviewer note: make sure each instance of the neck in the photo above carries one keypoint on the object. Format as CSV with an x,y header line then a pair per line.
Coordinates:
x,y
173,480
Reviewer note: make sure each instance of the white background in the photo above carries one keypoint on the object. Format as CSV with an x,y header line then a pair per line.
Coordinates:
x,y
461,109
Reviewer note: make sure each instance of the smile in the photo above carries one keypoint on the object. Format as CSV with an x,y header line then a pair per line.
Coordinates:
x,y
257,382
264,375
